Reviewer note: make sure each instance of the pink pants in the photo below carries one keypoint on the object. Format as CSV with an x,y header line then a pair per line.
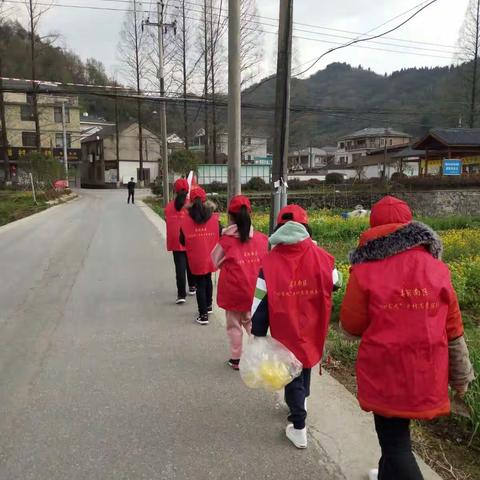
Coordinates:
x,y
236,322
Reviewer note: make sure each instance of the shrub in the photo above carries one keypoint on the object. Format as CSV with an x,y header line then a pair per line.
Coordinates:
x,y
215,187
397,176
256,184
182,161
157,187
334,178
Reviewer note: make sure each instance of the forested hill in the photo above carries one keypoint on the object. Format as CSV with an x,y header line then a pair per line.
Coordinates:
x,y
330,103
341,99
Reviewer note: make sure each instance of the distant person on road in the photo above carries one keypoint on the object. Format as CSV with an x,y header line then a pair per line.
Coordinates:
x,y
131,190
175,212
401,302
199,233
293,297
238,254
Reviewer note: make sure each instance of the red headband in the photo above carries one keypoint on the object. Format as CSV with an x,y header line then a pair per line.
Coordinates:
x,y
180,184
198,192
297,213
237,202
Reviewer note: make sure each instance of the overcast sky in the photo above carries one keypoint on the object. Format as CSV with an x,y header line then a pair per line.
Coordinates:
x,y
429,39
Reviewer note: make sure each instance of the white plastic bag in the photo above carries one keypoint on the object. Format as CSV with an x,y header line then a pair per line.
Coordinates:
x,y
267,364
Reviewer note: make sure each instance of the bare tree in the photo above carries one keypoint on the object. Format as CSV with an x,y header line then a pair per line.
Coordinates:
x,y
251,42
469,43
35,11
3,123
134,61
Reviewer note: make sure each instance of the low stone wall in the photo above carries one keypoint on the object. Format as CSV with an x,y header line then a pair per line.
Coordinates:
x,y
436,203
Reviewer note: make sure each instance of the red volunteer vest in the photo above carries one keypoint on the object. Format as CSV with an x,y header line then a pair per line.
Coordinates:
x,y
173,219
239,271
402,364
200,240
299,291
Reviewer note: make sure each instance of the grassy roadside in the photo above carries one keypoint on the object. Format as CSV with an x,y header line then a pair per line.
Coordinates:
x,y
16,205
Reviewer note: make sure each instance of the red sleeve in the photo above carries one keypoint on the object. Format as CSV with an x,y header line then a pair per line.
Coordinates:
x,y
454,318
354,311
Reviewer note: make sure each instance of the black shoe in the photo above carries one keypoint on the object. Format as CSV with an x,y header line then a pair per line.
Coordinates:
x,y
234,363
192,291
210,309
180,300
202,319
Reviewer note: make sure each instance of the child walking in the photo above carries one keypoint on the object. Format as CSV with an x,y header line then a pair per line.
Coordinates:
x,y
175,211
199,233
293,298
401,302
238,254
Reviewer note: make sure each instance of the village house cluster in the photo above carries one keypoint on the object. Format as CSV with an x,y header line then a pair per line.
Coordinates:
x,y
103,153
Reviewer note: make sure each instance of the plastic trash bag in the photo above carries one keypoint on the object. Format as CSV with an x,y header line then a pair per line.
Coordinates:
x,y
267,364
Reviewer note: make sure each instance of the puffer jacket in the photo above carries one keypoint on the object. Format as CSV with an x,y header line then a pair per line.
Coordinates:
x,y
401,302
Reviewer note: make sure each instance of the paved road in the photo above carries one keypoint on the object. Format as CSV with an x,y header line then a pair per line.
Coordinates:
x,y
102,377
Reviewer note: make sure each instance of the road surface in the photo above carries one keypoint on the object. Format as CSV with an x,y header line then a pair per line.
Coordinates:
x,y
103,377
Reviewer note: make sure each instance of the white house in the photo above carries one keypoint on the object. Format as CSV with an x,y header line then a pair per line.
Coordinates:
x,y
104,164
254,146
353,147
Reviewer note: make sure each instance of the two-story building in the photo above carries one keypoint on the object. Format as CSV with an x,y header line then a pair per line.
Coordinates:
x,y
109,160
20,124
254,147
311,158
353,147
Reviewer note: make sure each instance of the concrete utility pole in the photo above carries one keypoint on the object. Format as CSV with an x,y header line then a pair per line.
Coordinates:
x,y
282,110
65,148
163,112
234,100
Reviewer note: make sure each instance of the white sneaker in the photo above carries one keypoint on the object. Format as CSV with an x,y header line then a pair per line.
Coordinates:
x,y
297,437
373,474
180,300
305,406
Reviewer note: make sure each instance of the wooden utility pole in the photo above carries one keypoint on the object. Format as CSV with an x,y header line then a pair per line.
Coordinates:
x,y
234,99
205,47
475,67
213,42
139,103
163,111
38,141
184,67
3,130
282,110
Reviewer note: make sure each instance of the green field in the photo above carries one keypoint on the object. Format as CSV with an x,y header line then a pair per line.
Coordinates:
x,y
461,240
16,205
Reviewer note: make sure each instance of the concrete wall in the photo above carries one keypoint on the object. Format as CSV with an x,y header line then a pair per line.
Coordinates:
x,y
433,203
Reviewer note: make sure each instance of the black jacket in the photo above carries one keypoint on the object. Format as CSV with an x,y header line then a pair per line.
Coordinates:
x,y
131,186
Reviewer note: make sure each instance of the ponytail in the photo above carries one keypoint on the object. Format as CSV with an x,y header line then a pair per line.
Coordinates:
x,y
244,223
199,212
180,200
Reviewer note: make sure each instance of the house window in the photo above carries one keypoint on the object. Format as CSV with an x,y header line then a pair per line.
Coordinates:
x,y
382,142
391,142
26,113
361,142
59,140
342,145
57,114
28,139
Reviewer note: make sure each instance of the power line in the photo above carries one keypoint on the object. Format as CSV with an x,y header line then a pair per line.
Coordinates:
x,y
318,26
99,8
353,42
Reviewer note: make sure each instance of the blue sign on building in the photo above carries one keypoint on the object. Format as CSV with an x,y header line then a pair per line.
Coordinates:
x,y
452,167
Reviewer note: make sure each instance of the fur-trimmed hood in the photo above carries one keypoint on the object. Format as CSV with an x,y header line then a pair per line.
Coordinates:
x,y
412,235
